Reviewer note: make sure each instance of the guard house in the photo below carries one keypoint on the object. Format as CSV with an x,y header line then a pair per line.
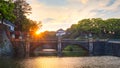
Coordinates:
x,y
60,32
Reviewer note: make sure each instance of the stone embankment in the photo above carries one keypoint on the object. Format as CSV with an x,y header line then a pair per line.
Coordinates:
x,y
6,48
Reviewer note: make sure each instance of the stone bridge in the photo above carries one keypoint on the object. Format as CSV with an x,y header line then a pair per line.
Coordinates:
x,y
99,47
54,44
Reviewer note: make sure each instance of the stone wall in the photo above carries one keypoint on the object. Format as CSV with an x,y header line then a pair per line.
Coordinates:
x,y
6,48
112,49
19,48
106,48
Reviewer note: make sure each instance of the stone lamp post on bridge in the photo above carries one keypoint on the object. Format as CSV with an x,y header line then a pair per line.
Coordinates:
x,y
59,34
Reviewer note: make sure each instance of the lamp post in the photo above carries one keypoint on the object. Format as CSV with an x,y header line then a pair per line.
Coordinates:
x,y
59,34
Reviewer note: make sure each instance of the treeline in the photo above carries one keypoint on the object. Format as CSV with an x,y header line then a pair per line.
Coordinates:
x,y
99,28
47,35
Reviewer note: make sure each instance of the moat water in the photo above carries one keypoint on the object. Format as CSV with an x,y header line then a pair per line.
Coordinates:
x,y
62,62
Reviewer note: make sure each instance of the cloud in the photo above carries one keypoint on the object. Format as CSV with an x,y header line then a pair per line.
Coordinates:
x,y
102,10
84,1
54,26
111,2
79,1
54,2
49,20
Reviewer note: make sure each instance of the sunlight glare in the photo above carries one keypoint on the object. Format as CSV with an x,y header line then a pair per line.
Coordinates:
x,y
37,32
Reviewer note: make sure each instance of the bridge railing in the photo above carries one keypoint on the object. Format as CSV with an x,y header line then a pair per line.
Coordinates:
x,y
114,41
55,40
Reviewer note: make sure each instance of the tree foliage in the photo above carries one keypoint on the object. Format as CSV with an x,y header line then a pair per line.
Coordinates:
x,y
98,27
6,10
22,8
30,25
48,35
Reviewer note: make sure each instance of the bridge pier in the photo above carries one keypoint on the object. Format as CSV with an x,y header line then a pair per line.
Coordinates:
x,y
59,47
60,33
27,46
90,43
27,49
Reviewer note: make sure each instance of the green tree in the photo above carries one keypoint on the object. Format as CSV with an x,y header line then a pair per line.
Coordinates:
x,y
33,25
113,27
22,8
98,27
72,32
6,10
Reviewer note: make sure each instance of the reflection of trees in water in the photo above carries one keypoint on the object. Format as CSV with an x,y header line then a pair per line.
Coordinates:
x,y
10,63
74,50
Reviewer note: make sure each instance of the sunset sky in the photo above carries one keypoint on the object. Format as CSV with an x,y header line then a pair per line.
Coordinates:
x,y
56,14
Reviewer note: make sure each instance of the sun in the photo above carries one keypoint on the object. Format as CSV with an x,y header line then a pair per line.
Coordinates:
x,y
37,32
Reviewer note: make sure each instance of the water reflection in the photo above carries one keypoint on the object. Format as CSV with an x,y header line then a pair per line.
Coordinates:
x,y
62,62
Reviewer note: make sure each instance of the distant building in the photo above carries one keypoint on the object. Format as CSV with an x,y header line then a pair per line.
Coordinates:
x,y
10,25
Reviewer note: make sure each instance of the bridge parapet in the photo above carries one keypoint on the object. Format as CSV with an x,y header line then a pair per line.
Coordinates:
x,y
114,41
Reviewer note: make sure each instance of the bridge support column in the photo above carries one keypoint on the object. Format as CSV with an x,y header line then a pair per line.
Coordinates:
x,y
59,46
60,33
27,47
90,42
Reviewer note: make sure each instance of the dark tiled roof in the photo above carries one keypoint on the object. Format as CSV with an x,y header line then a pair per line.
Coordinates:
x,y
8,22
60,30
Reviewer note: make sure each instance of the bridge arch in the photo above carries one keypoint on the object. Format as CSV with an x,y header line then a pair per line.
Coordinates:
x,y
42,45
53,44
75,50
